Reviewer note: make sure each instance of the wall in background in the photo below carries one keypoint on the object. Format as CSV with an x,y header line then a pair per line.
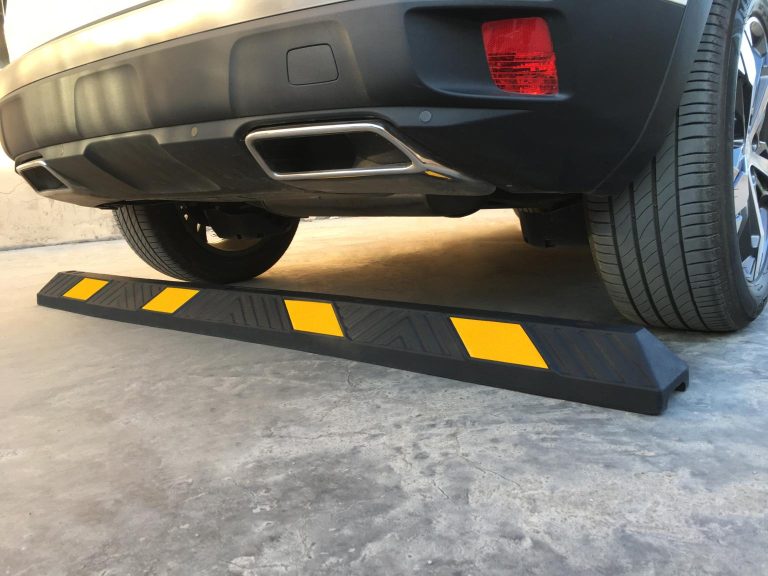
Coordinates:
x,y
26,219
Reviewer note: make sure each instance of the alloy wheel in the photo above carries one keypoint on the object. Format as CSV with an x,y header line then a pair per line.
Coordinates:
x,y
750,151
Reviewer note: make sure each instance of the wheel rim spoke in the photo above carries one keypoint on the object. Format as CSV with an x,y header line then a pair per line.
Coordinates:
x,y
741,190
747,63
759,243
760,164
752,66
758,107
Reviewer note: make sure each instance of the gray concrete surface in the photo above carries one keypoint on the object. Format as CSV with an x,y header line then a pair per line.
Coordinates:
x,y
130,450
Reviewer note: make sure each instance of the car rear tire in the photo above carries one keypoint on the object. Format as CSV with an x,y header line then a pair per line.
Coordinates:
x,y
175,240
684,246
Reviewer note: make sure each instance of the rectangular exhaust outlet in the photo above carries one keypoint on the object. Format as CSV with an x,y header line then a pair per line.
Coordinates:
x,y
350,150
40,176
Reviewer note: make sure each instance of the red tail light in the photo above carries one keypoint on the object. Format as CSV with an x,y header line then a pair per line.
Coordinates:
x,y
520,56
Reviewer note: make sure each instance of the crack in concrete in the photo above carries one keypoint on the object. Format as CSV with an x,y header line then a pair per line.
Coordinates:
x,y
475,465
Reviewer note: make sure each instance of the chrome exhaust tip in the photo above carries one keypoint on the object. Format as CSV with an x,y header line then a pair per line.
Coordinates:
x,y
364,149
42,178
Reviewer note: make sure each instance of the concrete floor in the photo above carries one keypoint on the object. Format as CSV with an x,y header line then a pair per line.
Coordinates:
x,y
131,450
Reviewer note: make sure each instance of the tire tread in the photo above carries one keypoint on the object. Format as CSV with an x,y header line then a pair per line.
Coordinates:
x,y
657,245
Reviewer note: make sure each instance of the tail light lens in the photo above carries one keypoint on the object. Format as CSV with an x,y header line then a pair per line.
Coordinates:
x,y
520,56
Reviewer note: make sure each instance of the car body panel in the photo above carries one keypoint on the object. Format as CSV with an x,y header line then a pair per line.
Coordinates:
x,y
415,66
139,27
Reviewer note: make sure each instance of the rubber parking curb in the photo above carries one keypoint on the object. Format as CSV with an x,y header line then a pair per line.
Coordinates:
x,y
614,366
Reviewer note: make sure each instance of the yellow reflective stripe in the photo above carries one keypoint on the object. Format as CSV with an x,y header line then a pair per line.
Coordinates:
x,y
498,341
315,317
86,288
170,300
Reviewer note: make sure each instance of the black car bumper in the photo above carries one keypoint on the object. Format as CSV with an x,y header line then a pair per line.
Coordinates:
x,y
183,107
